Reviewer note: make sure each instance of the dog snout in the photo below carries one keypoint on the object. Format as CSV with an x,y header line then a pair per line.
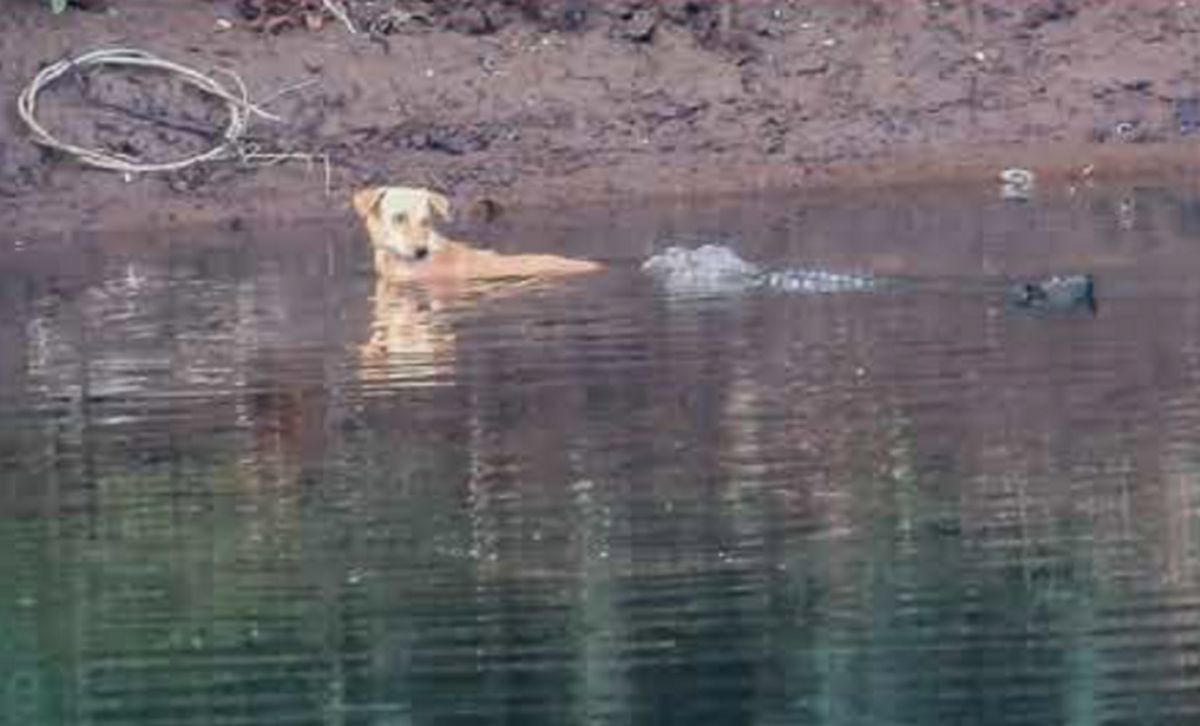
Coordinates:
x,y
420,253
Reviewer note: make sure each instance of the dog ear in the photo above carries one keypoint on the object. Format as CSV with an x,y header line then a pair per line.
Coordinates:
x,y
440,205
366,201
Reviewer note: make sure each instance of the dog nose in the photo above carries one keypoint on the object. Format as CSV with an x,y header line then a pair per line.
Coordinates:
x,y
420,253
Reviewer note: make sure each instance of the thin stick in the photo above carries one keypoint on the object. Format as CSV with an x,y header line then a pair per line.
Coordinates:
x,y
339,11
230,146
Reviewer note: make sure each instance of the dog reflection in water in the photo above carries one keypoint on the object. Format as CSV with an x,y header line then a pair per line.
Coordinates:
x,y
419,274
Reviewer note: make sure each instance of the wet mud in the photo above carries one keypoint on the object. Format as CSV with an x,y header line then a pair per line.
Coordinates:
x,y
507,104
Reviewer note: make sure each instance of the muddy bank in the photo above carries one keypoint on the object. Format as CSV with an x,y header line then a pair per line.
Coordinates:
x,y
556,102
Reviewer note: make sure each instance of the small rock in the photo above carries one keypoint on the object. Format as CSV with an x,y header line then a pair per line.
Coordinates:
x,y
1187,115
486,210
1017,183
472,21
638,26
1045,12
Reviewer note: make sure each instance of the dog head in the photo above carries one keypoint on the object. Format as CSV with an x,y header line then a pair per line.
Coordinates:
x,y
401,220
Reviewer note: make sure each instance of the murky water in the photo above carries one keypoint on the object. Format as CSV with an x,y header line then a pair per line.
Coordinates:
x,y
240,485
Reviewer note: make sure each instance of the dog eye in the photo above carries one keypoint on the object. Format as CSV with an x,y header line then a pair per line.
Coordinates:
x,y
400,218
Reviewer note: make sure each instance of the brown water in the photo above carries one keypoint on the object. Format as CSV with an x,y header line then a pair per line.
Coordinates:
x,y
222,502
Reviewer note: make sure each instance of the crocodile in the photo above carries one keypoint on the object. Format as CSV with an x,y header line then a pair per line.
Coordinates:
x,y
1061,292
715,269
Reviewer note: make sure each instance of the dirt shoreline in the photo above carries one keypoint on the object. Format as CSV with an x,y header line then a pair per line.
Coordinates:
x,y
558,103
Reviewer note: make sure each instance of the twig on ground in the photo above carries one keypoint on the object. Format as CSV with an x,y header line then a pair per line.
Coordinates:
x,y
337,10
230,144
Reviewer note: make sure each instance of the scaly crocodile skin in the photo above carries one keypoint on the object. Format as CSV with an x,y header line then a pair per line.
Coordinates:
x,y
716,269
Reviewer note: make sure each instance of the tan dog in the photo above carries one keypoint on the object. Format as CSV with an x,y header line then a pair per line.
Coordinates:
x,y
400,222
420,274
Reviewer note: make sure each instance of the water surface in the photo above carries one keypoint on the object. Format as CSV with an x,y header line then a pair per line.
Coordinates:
x,y
239,484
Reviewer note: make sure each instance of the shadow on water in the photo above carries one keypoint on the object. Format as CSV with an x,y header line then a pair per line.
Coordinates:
x,y
241,485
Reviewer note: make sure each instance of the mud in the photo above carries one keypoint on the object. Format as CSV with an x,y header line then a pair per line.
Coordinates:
x,y
504,104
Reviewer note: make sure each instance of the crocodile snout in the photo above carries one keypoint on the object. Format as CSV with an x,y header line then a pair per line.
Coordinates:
x,y
1067,292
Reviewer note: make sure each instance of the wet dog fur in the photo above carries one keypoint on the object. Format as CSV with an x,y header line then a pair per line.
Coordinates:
x,y
401,222
419,273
